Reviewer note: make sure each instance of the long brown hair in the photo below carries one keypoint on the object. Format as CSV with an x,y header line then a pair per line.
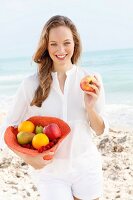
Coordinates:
x,y
44,61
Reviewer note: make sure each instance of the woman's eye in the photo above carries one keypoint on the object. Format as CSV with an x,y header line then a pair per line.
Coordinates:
x,y
67,43
53,44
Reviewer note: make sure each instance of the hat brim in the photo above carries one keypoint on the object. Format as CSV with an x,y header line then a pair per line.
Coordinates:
x,y
11,132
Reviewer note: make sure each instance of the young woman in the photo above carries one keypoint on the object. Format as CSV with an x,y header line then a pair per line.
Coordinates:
x,y
76,170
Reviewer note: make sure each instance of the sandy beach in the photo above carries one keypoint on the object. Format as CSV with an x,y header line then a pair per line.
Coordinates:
x,y
117,154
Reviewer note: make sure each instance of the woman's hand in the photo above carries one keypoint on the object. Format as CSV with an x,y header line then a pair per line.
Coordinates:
x,y
37,162
90,98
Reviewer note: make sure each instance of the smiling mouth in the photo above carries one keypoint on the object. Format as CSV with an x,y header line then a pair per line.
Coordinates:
x,y
61,57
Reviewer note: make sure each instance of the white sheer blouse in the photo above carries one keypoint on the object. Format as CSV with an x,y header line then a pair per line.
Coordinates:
x,y
69,106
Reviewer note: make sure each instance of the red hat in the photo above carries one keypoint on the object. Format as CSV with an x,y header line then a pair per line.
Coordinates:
x,y
11,132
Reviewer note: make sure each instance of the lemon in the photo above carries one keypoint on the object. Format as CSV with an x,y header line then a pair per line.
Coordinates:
x,y
40,140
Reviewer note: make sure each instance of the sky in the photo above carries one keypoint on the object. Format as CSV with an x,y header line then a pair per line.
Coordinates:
x,y
102,24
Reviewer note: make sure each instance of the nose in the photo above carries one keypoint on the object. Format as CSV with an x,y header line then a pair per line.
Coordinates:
x,y
61,48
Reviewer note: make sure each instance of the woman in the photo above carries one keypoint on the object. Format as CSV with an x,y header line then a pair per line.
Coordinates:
x,y
75,171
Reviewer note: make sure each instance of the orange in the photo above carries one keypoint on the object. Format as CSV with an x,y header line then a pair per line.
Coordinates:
x,y
40,140
26,126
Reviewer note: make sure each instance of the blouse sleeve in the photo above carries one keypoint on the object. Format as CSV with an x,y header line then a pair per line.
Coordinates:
x,y
100,106
17,111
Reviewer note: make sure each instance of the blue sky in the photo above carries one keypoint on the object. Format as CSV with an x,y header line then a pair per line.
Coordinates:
x,y
102,24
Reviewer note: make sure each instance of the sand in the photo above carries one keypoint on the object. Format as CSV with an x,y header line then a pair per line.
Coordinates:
x,y
117,154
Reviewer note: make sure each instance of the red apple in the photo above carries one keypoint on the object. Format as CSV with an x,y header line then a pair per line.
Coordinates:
x,y
86,83
52,131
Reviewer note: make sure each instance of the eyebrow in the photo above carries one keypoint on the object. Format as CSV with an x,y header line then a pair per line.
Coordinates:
x,y
64,40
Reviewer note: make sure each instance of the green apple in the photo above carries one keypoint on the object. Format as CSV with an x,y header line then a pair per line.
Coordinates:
x,y
24,137
39,129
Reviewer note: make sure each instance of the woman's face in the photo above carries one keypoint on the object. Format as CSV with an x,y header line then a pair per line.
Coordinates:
x,y
61,45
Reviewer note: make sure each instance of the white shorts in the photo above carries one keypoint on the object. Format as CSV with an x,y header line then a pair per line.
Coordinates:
x,y
82,186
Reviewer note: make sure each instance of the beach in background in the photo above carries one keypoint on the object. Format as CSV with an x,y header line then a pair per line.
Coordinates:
x,y
116,69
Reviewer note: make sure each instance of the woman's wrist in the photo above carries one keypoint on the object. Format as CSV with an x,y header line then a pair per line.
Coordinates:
x,y
96,122
90,111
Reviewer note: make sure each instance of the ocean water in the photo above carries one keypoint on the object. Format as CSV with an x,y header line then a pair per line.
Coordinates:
x,y
115,67
12,72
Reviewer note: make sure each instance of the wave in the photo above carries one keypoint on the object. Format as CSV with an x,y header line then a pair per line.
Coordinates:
x,y
11,77
120,116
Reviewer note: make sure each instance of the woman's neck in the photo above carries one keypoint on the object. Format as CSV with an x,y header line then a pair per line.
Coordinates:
x,y
61,69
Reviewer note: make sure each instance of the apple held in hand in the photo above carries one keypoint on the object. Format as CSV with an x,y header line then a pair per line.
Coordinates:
x,y
52,131
86,83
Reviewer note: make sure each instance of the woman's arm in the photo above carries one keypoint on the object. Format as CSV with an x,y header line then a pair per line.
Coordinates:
x,y
15,113
95,103
37,162
19,107
96,122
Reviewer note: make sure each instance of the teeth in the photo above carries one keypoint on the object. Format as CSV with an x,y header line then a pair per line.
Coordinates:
x,y
61,56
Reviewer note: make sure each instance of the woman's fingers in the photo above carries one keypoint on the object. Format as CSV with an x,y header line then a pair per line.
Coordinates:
x,y
97,82
92,94
37,162
50,153
96,91
45,162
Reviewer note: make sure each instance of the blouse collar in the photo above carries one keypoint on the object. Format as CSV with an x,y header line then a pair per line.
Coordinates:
x,y
68,72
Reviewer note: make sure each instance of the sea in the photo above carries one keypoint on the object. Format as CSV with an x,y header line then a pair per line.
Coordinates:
x,y
115,67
